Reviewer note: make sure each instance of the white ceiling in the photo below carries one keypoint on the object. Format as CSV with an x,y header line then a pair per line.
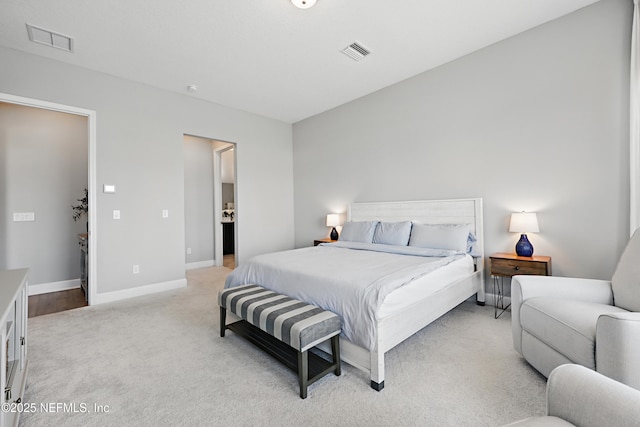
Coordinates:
x,y
267,56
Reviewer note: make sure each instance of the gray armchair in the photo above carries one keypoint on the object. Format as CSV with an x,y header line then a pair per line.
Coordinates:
x,y
594,323
581,397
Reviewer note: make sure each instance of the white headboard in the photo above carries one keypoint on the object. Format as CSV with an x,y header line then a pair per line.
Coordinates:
x,y
448,211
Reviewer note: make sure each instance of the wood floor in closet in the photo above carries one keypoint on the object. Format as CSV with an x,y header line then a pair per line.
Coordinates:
x,y
55,302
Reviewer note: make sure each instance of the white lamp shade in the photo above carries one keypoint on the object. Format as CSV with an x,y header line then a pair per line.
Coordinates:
x,y
524,222
303,4
333,220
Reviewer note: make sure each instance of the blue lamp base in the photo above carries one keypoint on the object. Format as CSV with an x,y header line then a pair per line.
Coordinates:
x,y
524,246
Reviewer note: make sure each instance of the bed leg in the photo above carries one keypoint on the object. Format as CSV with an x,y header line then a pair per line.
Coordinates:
x,y
377,386
480,295
377,370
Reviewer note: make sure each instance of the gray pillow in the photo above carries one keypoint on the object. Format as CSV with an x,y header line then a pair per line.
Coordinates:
x,y
440,236
392,233
626,279
358,231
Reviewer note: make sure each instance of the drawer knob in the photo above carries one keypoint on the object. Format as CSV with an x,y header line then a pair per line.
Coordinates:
x,y
516,268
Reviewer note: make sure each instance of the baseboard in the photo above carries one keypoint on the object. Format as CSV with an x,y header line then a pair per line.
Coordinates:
x,y
200,264
45,288
138,291
491,299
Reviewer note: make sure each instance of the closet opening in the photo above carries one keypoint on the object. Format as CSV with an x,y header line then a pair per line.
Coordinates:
x,y
48,155
211,220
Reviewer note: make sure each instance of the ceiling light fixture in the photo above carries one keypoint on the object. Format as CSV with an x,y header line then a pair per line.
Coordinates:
x,y
303,4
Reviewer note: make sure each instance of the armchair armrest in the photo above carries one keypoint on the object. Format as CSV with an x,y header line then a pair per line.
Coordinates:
x,y
525,287
585,398
618,347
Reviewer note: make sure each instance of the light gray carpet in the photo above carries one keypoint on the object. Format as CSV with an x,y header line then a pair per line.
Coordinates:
x,y
159,360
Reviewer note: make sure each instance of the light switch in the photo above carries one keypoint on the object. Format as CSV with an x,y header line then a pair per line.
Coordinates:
x,y
108,188
116,214
165,213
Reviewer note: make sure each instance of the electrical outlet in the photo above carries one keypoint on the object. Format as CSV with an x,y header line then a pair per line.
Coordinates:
x,y
188,251
136,269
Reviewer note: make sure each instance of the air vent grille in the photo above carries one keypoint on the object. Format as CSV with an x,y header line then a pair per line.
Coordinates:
x,y
356,51
50,38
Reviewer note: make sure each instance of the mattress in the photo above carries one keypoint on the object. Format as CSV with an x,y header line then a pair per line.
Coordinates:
x,y
398,300
360,283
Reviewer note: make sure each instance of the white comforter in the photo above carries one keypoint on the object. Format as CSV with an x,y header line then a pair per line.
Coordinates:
x,y
350,280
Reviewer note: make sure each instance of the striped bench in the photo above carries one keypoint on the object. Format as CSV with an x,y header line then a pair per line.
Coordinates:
x,y
284,327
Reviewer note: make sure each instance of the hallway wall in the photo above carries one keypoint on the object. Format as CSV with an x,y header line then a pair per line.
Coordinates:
x,y
43,156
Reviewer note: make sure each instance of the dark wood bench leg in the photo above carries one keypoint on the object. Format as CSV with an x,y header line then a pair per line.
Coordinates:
x,y
303,372
335,350
223,320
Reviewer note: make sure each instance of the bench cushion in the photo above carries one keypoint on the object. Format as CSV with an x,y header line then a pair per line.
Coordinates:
x,y
293,322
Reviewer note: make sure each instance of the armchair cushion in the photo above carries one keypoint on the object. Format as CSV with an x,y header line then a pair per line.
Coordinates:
x,y
567,326
524,288
626,279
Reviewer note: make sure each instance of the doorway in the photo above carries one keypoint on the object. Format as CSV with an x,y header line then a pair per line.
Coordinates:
x,y
225,183
210,202
28,210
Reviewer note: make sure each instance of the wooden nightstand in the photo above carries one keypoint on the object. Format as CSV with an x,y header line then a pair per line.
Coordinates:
x,y
325,240
508,265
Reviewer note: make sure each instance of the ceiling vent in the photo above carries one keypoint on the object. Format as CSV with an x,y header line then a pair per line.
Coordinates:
x,y
356,51
50,38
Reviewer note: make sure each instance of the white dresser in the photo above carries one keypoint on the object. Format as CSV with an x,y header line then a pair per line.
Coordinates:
x,y
13,353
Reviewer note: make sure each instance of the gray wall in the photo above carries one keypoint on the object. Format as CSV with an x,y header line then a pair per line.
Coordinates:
x,y
198,198
140,150
43,157
538,122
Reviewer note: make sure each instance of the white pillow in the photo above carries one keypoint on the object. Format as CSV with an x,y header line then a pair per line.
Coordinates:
x,y
392,233
440,236
358,231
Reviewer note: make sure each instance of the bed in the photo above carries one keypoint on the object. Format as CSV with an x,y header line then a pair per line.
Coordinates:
x,y
389,287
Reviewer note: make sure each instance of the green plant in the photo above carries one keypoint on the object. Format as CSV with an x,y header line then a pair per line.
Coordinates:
x,y
82,208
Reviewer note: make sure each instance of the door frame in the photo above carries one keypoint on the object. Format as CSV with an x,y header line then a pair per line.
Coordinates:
x,y
92,186
217,200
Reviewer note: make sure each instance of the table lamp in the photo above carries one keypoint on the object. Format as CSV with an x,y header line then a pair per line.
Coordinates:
x,y
333,220
524,222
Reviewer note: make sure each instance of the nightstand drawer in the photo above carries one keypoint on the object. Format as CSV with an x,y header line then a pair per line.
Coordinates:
x,y
511,267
